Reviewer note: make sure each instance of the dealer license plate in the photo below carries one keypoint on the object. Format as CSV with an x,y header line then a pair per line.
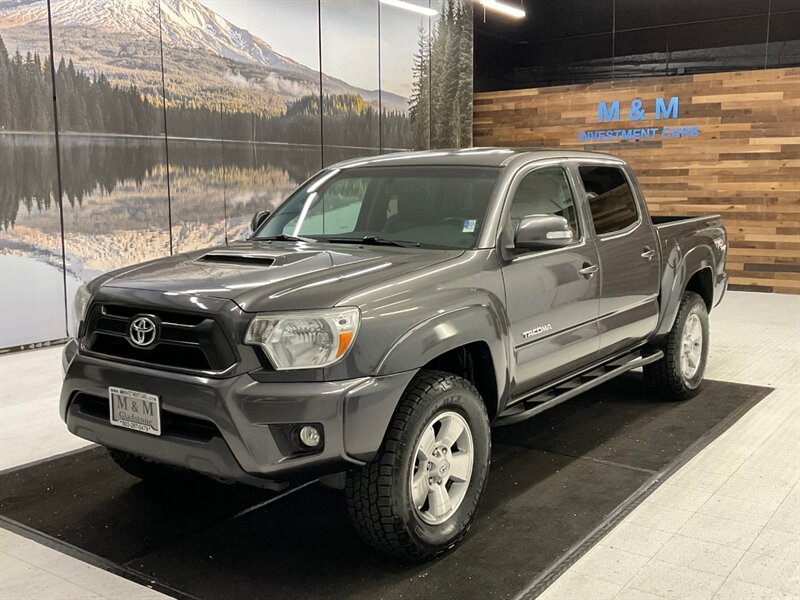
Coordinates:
x,y
134,410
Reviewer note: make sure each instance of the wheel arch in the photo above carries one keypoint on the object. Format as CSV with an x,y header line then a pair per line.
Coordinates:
x,y
694,273
474,363
469,341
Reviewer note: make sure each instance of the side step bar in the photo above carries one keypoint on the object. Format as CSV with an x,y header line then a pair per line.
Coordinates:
x,y
568,389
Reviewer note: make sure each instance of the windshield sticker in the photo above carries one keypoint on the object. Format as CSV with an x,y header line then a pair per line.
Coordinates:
x,y
469,225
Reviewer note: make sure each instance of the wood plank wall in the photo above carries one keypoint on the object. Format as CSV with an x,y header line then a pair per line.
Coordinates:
x,y
744,164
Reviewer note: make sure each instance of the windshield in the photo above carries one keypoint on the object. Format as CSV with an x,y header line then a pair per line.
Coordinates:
x,y
432,207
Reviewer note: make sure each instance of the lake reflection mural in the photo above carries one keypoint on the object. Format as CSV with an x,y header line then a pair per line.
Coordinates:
x,y
179,119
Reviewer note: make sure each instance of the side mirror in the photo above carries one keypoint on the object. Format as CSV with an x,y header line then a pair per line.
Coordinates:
x,y
543,232
258,219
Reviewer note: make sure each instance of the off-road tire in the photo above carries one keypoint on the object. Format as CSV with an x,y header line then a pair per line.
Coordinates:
x,y
378,494
665,377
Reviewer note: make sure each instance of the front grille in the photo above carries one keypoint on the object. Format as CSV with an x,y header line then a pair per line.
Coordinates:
x,y
172,424
187,341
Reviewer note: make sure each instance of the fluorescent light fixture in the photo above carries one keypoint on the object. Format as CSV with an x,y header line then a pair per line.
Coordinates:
x,y
423,10
511,11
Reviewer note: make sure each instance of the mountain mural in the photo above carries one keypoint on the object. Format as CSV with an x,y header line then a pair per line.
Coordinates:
x,y
207,59
242,126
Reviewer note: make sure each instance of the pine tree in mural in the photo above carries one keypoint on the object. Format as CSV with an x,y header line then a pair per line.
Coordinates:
x,y
89,103
465,89
24,92
441,100
420,100
5,88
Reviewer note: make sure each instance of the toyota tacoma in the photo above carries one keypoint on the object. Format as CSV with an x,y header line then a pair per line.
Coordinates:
x,y
383,318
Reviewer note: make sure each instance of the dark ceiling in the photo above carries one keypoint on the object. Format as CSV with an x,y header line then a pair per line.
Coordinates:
x,y
576,41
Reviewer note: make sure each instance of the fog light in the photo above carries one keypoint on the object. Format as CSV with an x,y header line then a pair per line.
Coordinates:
x,y
310,436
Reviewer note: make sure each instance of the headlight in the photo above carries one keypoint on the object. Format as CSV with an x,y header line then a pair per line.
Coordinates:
x,y
79,307
304,340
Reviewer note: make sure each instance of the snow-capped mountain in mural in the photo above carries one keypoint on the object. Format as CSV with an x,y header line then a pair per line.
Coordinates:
x,y
186,24
191,34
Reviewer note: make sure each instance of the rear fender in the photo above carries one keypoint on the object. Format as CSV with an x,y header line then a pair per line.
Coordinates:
x,y
674,281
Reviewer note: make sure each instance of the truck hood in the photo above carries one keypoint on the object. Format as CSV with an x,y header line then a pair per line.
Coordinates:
x,y
262,276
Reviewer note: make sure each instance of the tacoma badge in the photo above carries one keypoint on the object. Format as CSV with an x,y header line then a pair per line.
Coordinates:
x,y
536,331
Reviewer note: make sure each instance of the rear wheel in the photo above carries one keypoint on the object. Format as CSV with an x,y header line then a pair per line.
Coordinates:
x,y
678,375
418,496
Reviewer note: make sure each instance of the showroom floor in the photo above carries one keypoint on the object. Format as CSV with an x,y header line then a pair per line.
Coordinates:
x,y
726,525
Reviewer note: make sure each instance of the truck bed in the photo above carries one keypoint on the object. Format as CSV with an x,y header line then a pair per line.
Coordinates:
x,y
692,244
672,229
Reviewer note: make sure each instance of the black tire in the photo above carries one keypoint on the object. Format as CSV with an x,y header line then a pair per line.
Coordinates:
x,y
666,377
146,470
378,495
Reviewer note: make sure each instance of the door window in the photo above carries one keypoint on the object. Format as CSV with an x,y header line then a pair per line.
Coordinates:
x,y
610,199
545,192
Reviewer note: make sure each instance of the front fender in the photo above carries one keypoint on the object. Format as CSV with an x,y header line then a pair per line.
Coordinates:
x,y
446,331
675,279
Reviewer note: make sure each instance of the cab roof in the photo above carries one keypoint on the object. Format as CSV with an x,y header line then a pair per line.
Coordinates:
x,y
476,157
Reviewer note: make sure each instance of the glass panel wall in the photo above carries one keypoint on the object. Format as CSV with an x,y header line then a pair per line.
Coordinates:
x,y
351,93
31,259
179,119
405,88
111,131
196,93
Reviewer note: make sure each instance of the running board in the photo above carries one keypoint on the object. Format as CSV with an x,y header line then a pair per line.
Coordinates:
x,y
568,389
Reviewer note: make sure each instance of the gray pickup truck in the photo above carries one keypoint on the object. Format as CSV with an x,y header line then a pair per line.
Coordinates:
x,y
382,319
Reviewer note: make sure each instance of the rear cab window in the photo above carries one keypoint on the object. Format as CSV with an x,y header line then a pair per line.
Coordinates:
x,y
610,198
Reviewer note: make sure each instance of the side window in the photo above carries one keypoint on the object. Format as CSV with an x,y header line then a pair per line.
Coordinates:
x,y
610,198
545,192
332,212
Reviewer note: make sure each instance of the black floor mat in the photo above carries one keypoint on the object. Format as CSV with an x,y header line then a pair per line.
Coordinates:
x,y
554,479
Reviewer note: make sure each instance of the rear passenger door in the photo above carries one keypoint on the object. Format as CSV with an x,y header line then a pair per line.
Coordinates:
x,y
630,268
551,295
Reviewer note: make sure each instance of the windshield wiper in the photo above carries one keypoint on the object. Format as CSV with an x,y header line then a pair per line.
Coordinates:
x,y
374,241
284,237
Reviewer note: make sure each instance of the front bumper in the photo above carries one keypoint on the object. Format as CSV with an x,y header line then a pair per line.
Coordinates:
x,y
234,428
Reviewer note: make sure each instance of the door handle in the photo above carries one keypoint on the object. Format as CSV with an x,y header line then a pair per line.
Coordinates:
x,y
588,271
648,253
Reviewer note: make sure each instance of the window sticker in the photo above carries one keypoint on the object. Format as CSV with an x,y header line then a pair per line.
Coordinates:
x,y
469,225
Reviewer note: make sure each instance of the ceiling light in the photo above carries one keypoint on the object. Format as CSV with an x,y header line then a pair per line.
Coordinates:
x,y
511,11
423,10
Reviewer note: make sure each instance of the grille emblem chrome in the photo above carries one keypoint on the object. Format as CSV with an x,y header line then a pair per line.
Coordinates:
x,y
142,331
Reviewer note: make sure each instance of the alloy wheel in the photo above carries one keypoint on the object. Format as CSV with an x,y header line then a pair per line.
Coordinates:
x,y
691,346
442,468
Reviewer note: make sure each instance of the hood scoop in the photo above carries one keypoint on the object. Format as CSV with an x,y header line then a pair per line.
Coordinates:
x,y
254,260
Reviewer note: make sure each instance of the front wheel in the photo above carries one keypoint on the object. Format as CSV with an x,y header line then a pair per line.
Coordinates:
x,y
678,375
418,496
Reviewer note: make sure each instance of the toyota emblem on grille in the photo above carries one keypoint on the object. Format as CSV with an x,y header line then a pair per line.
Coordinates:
x,y
143,331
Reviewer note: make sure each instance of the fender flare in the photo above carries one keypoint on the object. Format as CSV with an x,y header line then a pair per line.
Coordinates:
x,y
675,281
449,330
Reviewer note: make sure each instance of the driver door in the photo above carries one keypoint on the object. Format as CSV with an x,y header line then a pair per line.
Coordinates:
x,y
552,296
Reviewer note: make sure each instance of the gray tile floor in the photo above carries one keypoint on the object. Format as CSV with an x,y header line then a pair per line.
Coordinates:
x,y
726,526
